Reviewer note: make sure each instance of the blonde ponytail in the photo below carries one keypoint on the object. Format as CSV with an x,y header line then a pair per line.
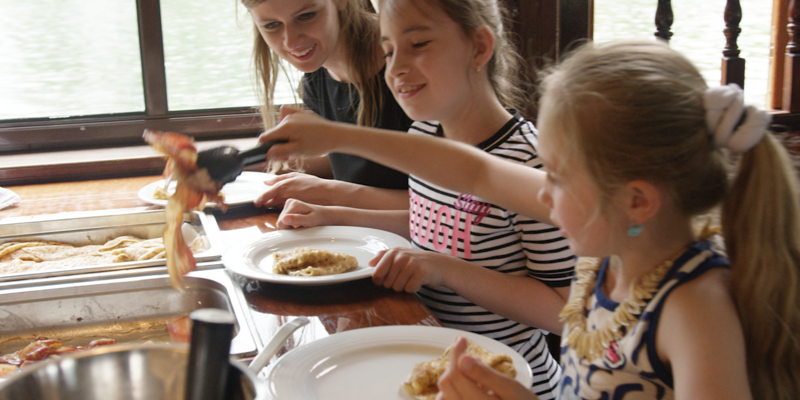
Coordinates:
x,y
762,236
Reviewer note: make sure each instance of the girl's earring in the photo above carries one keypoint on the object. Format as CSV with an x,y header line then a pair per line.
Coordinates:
x,y
635,230
478,69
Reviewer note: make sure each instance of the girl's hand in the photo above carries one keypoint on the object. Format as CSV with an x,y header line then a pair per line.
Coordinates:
x,y
468,378
306,132
298,214
295,185
407,270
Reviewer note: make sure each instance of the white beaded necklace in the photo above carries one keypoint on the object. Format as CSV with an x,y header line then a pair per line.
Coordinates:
x,y
591,344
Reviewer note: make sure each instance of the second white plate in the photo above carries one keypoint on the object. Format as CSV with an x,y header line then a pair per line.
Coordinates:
x,y
245,189
253,259
369,363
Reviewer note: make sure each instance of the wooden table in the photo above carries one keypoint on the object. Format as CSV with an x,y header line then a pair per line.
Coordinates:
x,y
331,308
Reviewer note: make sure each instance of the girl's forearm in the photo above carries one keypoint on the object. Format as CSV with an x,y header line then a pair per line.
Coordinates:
x,y
456,166
395,221
519,298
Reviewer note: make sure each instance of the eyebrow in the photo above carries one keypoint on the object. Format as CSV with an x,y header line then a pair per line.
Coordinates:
x,y
412,28
305,9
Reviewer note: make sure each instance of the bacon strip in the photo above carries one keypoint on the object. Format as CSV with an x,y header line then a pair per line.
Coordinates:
x,y
194,187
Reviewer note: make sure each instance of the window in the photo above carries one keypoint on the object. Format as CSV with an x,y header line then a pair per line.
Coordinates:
x,y
97,72
698,34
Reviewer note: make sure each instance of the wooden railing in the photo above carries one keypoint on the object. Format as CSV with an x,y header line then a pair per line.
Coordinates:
x,y
784,90
546,29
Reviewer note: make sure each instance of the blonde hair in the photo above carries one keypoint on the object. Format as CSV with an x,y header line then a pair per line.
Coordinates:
x,y
359,29
634,110
505,65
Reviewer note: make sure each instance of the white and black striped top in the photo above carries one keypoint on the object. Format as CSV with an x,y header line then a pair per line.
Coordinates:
x,y
494,238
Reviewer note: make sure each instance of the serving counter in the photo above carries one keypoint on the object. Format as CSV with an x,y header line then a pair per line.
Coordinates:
x,y
330,308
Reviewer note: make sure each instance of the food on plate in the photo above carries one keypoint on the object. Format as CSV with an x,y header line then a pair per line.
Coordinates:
x,y
160,193
422,383
194,187
41,349
308,261
34,255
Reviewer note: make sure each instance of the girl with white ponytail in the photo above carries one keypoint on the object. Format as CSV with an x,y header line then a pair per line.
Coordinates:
x,y
636,147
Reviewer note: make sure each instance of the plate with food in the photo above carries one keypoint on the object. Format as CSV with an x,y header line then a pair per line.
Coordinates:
x,y
311,256
245,189
385,362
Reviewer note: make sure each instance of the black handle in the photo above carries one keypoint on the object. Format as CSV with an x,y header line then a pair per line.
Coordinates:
x,y
209,354
256,154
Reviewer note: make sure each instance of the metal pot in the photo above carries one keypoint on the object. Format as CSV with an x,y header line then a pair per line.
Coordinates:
x,y
133,372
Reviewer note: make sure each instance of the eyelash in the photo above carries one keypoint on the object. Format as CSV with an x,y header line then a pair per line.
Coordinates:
x,y
302,17
414,45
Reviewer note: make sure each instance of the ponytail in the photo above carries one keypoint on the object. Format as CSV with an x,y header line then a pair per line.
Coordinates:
x,y
762,236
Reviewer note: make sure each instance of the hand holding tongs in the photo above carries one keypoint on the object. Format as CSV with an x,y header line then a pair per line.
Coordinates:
x,y
225,163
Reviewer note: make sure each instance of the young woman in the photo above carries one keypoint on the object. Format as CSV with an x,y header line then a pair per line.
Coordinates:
x,y
335,43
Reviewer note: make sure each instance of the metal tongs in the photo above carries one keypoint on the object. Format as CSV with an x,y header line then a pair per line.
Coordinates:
x,y
225,163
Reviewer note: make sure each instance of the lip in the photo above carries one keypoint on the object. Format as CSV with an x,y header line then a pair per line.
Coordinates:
x,y
405,91
303,55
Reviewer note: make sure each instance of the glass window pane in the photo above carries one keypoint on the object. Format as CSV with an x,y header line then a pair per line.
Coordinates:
x,y
207,51
64,58
698,34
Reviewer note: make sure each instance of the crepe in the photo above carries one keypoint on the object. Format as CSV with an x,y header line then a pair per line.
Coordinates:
x,y
422,383
30,256
308,261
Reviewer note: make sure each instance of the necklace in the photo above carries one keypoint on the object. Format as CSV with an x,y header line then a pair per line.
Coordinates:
x,y
591,344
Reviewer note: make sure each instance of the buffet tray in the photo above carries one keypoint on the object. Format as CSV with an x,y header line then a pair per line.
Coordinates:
x,y
97,227
120,305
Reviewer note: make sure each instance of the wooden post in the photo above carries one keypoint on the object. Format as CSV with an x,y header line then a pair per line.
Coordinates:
x,y
732,64
791,69
664,20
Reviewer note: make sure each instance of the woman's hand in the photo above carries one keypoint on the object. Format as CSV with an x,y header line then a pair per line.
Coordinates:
x,y
299,214
407,270
468,378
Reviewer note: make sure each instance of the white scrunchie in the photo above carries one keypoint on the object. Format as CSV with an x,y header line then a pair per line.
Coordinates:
x,y
724,109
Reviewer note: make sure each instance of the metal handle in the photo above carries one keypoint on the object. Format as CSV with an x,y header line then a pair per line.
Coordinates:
x,y
275,343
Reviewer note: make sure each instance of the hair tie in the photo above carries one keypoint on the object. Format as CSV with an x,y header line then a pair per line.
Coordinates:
x,y
732,124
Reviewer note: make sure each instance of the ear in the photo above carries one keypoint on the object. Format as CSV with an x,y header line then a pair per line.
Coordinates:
x,y
484,46
643,202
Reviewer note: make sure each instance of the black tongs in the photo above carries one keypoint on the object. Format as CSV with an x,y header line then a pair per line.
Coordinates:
x,y
225,163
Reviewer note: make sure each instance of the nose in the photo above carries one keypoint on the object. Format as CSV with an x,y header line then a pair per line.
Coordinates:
x,y
396,65
292,37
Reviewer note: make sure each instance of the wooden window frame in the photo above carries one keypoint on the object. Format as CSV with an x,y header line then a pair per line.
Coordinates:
x,y
126,129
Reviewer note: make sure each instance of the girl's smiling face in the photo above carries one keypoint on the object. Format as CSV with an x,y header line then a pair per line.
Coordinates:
x,y
428,59
303,32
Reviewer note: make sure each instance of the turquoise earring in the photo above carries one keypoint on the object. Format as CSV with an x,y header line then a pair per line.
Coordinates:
x,y
635,230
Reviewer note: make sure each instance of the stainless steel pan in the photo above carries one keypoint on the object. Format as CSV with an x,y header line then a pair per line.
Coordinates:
x,y
133,372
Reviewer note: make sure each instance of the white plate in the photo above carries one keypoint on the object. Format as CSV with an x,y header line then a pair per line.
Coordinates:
x,y
245,189
253,258
369,363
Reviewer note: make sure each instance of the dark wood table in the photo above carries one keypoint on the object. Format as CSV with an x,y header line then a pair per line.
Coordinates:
x,y
330,308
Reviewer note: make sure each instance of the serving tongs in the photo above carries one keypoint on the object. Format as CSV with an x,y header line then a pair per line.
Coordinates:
x,y
225,163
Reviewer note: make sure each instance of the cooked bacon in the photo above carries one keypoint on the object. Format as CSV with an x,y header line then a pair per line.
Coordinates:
x,y
43,348
194,187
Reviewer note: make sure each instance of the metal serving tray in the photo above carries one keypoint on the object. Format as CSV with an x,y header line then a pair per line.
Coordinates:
x,y
97,227
130,309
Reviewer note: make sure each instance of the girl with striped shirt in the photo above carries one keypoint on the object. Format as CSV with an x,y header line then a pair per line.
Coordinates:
x,y
477,266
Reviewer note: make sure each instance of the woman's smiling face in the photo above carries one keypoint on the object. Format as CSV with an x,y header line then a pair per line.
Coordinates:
x,y
428,58
302,32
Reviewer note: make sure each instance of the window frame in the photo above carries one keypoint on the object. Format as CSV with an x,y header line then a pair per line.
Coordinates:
x,y
25,135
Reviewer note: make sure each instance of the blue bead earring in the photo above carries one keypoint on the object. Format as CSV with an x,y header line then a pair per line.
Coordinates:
x,y
635,230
